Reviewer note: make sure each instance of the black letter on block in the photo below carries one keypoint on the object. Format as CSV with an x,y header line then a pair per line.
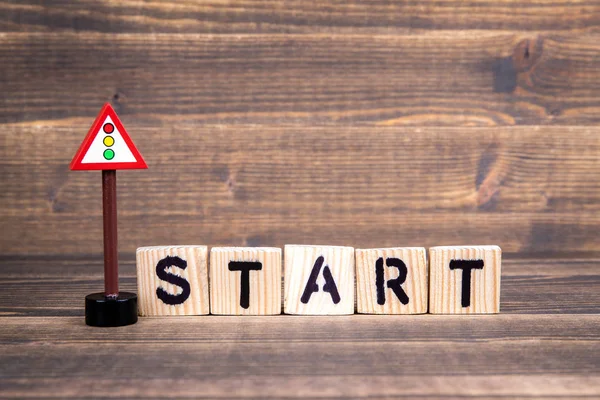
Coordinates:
x,y
312,287
330,286
466,266
161,272
245,267
379,280
394,284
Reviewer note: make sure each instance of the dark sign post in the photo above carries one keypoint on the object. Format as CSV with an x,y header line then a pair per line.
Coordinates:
x,y
109,217
108,147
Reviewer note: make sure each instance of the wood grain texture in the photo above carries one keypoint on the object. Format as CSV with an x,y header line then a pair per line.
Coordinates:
x,y
242,185
445,284
278,357
295,121
529,285
274,357
279,16
439,78
544,344
313,287
414,284
194,271
264,285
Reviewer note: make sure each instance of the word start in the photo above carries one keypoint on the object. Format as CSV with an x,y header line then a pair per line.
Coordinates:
x,y
317,280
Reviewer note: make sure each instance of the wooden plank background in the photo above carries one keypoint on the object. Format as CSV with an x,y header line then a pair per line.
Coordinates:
x,y
265,122
529,189
270,122
440,78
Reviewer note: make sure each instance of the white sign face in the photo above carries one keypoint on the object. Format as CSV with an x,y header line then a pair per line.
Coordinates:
x,y
108,146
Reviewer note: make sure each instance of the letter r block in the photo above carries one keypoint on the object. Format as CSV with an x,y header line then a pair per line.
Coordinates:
x,y
319,280
391,281
172,280
245,280
464,279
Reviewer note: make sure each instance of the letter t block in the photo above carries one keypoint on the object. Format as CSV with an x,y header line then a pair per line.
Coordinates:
x,y
464,280
245,280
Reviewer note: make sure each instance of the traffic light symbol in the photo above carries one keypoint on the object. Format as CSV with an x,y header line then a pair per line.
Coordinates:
x,y
108,141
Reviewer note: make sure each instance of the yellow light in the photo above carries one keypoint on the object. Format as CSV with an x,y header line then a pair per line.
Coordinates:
x,y
108,141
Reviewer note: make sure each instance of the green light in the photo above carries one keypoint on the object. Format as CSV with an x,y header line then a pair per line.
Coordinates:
x,y
109,154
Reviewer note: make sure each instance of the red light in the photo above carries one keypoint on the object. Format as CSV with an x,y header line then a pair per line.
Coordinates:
x,y
108,128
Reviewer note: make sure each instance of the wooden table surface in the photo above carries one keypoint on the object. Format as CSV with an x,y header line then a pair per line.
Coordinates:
x,y
545,343
270,122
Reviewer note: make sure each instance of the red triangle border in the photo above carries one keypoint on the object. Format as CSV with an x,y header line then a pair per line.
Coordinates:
x,y
77,165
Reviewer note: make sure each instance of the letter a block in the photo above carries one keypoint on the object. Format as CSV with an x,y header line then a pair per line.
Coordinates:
x,y
319,280
172,280
245,280
464,280
391,281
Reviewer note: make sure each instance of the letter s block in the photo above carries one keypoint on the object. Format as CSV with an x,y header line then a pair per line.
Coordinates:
x,y
172,280
391,281
464,279
245,280
319,280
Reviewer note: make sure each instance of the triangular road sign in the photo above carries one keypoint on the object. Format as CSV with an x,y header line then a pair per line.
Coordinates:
x,y
107,146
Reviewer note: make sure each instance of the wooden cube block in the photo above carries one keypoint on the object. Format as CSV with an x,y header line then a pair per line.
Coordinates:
x,y
464,279
245,280
391,281
319,280
172,280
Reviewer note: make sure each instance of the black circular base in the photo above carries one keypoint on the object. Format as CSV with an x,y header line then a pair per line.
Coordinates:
x,y
105,311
